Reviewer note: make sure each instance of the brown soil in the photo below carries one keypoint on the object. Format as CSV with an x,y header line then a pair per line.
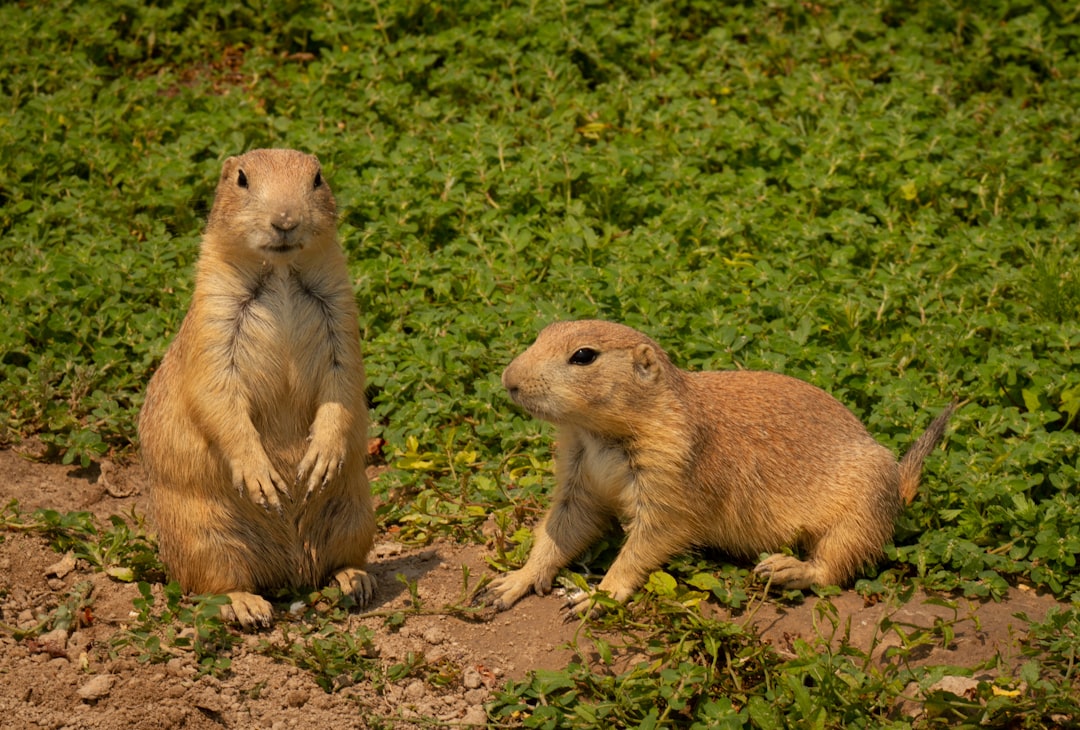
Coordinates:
x,y
68,679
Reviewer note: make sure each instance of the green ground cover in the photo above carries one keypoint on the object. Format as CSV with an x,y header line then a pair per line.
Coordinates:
x,y
880,198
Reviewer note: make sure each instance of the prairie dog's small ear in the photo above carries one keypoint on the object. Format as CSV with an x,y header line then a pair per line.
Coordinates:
x,y
229,165
228,171
645,363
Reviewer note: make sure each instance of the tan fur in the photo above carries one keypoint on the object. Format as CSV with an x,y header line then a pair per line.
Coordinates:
x,y
747,462
254,428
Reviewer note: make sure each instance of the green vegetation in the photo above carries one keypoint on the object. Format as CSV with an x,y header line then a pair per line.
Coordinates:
x,y
878,197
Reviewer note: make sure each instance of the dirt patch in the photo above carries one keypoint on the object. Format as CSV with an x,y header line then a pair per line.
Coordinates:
x,y
71,680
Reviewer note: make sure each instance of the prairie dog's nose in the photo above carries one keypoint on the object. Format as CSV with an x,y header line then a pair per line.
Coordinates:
x,y
285,220
510,378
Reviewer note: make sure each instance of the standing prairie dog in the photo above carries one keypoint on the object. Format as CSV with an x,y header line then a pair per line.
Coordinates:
x,y
254,429
744,461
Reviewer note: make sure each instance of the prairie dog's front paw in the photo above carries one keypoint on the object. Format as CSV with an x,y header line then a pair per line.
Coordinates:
x,y
508,589
580,603
256,477
620,591
322,462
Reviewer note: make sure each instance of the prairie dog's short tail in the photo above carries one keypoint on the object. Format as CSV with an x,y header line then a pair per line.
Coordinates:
x,y
911,464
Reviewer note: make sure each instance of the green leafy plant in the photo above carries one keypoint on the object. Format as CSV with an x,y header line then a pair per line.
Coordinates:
x,y
73,610
123,550
336,659
181,625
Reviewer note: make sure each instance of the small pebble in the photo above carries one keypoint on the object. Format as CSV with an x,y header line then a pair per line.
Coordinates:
x,y
64,566
959,686
471,679
385,549
475,716
176,667
475,696
415,691
97,687
55,641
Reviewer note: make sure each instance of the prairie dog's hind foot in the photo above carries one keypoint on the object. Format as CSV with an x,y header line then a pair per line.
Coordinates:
x,y
357,583
247,609
789,572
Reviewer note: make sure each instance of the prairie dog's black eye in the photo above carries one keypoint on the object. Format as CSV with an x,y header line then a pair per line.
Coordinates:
x,y
584,356
318,179
241,179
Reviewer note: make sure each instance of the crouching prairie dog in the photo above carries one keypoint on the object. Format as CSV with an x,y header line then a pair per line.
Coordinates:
x,y
253,432
747,462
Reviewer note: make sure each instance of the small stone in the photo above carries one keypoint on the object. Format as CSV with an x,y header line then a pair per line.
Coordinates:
x,y
434,636
471,679
490,528
297,698
207,699
475,696
415,691
79,640
475,716
123,666
176,667
386,549
62,567
97,687
55,642
959,686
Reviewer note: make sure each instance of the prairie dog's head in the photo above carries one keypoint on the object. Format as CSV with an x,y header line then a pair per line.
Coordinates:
x,y
594,374
272,204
